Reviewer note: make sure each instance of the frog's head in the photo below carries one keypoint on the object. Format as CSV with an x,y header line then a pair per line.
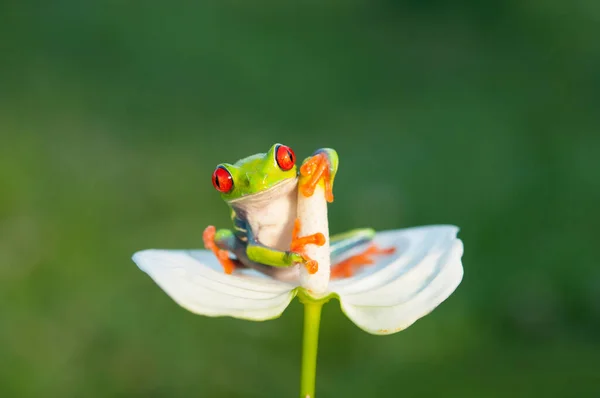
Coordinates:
x,y
263,172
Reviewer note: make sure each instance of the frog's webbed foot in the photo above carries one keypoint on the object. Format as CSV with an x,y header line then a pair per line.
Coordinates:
x,y
349,266
322,165
298,244
228,264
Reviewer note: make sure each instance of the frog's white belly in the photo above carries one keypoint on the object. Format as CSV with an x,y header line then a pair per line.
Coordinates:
x,y
272,223
271,214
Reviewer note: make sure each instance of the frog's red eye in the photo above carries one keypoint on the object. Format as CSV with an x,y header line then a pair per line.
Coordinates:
x,y
222,180
285,157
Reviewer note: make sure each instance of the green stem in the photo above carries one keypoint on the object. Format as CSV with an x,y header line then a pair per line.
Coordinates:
x,y
310,341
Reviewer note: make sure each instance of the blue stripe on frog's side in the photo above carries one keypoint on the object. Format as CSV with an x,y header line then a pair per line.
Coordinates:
x,y
340,244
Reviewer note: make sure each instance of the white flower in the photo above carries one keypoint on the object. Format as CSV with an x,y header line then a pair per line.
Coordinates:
x,y
382,298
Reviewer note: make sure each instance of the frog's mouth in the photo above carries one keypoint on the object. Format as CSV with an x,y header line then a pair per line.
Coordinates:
x,y
279,190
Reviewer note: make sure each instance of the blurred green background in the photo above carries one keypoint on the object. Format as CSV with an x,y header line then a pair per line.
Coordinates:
x,y
480,114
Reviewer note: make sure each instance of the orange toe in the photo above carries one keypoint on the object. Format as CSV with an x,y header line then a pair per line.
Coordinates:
x,y
312,266
222,255
209,237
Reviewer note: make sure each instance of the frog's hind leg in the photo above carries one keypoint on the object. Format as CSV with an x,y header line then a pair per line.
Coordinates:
x,y
342,243
221,243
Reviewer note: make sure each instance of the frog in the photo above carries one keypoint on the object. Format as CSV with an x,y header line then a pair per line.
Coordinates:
x,y
261,192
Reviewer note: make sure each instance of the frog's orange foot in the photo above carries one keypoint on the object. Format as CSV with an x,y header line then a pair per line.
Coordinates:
x,y
313,170
349,266
222,255
299,243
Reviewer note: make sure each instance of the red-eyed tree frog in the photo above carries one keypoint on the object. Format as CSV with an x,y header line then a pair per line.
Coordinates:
x,y
262,192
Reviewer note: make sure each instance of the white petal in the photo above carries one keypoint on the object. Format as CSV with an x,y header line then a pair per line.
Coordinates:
x,y
196,281
312,212
401,288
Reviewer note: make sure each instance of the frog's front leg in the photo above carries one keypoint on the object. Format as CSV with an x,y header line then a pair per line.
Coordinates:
x,y
321,167
262,254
